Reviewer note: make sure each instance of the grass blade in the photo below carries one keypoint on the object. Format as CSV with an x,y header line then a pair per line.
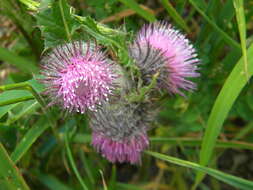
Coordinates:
x,y
225,36
240,17
9,173
87,168
52,182
72,162
227,96
27,108
31,5
190,142
173,13
9,97
19,62
197,142
133,5
16,100
243,132
5,109
210,10
229,179
29,138
125,186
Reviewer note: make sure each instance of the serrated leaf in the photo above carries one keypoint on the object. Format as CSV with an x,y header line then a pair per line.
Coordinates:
x,y
56,23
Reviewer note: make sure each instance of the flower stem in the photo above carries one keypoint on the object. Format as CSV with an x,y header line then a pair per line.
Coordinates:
x,y
64,21
140,96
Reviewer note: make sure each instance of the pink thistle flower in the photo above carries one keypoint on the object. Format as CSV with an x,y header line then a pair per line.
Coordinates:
x,y
120,132
161,48
126,150
78,76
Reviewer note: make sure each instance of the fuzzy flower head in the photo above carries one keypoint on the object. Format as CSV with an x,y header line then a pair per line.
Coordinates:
x,y
120,133
159,48
78,76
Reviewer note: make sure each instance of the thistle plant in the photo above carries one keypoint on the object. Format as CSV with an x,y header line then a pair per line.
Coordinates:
x,y
159,47
119,132
117,92
78,76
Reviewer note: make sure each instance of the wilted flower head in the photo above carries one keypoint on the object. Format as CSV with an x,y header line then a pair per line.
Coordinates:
x,y
78,76
161,48
120,132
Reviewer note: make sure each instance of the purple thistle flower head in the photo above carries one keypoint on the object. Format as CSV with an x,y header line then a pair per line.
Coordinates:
x,y
125,150
119,133
161,48
78,76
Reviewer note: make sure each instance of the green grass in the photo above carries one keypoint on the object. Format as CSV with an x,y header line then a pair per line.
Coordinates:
x,y
204,132
240,17
232,180
29,138
24,65
143,13
227,96
10,175
173,13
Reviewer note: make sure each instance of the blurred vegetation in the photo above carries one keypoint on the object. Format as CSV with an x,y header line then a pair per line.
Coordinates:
x,y
51,149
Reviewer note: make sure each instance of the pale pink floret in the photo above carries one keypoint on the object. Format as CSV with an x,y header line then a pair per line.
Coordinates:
x,y
180,55
126,150
78,76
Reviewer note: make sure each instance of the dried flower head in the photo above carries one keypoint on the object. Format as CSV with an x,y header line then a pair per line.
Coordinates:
x,y
78,76
120,132
161,48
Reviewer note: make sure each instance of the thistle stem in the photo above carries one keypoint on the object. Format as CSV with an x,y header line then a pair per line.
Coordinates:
x,y
140,96
64,21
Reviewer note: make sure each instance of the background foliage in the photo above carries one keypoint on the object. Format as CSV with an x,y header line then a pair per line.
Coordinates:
x,y
209,132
